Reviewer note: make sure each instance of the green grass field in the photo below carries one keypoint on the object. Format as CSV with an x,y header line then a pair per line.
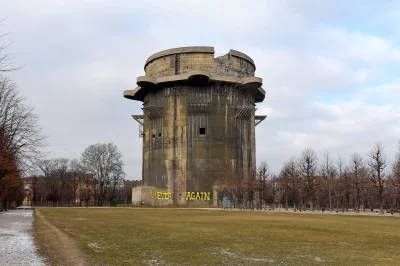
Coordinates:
x,y
126,236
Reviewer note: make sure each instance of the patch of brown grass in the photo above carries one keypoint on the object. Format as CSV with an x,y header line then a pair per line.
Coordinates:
x,y
124,236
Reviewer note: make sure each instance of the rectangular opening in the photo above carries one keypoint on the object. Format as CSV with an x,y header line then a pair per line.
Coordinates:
x,y
154,135
202,131
159,134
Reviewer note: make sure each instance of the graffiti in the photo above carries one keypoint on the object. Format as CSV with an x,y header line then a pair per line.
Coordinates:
x,y
198,195
189,195
162,195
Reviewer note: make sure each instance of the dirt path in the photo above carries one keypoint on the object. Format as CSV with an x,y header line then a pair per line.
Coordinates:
x,y
17,245
55,244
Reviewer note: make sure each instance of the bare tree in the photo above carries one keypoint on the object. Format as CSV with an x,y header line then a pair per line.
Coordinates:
x,y
10,185
50,180
104,163
356,168
395,176
35,190
115,185
338,184
250,188
226,187
75,178
240,191
290,181
274,189
20,134
261,183
61,173
377,163
5,57
220,190
328,173
396,168
346,183
308,169
86,190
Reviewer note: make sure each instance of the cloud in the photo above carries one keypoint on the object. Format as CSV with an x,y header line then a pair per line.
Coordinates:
x,y
355,117
395,131
302,140
388,92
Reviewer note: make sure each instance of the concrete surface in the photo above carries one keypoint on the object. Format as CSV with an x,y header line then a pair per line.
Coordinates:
x,y
16,242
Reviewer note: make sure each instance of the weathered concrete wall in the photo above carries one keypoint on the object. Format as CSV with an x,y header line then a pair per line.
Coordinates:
x,y
179,64
150,195
177,157
234,64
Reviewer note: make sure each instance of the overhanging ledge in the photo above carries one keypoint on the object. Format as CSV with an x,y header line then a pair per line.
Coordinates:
x,y
259,119
146,84
136,94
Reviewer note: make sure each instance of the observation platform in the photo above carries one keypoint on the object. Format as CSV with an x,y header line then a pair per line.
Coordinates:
x,y
197,65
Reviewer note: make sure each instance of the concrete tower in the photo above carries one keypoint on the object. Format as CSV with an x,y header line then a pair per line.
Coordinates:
x,y
198,124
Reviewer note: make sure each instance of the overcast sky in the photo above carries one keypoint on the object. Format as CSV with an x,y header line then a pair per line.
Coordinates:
x,y
329,68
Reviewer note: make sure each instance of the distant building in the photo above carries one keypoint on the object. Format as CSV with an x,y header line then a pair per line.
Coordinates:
x,y
132,183
28,193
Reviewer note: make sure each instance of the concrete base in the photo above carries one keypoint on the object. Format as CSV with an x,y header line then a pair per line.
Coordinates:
x,y
156,197
150,196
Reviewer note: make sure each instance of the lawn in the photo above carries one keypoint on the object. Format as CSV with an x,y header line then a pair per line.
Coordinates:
x,y
129,236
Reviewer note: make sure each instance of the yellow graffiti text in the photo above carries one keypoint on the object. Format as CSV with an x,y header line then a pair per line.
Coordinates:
x,y
162,195
198,195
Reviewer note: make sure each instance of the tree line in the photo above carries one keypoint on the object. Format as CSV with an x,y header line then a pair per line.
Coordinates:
x,y
358,183
94,179
21,139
